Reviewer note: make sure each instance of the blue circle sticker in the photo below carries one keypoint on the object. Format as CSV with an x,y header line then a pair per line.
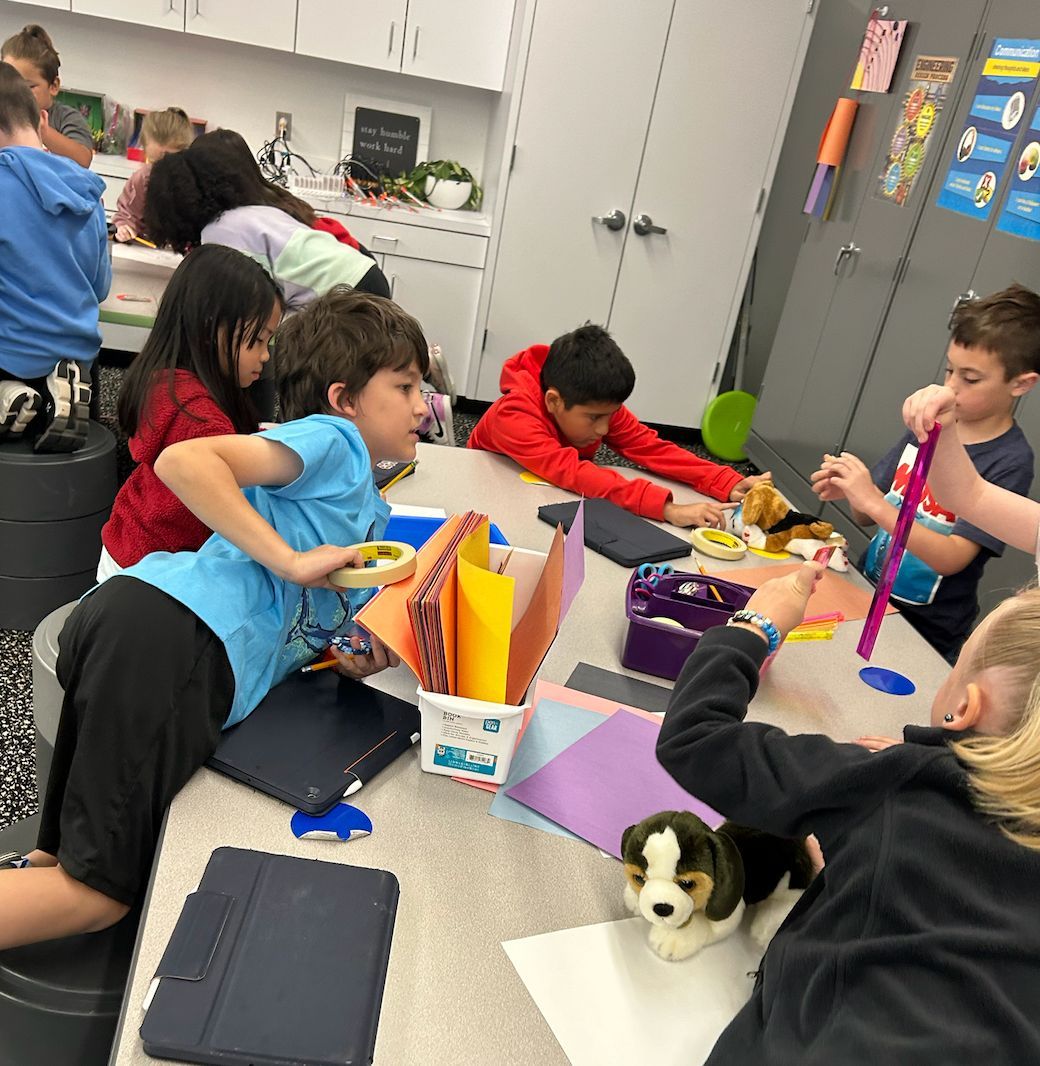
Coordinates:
x,y
887,681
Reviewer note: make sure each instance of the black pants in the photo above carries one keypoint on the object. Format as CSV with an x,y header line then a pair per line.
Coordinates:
x,y
147,689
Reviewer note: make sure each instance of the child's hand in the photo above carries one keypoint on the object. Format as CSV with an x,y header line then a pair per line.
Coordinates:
x,y
125,233
712,515
933,403
850,477
876,743
359,666
823,484
312,568
783,600
741,488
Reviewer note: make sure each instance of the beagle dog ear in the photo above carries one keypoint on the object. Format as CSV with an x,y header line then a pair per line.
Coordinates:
x,y
728,877
625,837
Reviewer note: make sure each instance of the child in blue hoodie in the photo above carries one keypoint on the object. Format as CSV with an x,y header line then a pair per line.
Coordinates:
x,y
54,271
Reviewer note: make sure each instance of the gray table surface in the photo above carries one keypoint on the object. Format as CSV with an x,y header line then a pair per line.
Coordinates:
x,y
468,880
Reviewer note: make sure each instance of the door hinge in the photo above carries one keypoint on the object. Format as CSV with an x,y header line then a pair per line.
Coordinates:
x,y
483,343
512,159
761,200
715,374
810,4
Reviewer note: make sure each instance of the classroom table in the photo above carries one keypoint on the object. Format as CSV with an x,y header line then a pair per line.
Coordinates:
x,y
139,278
469,880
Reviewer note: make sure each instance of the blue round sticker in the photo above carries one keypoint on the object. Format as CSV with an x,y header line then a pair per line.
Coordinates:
x,y
887,681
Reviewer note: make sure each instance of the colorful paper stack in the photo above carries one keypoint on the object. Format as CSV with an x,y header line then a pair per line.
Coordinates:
x,y
829,158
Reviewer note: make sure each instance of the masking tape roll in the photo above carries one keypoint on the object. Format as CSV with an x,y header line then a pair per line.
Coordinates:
x,y
718,544
398,562
666,622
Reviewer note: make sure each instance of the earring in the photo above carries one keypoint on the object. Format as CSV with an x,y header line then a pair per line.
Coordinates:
x,y
947,717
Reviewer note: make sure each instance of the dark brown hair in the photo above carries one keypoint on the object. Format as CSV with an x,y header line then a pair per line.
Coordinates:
x,y
17,104
344,336
1006,324
34,44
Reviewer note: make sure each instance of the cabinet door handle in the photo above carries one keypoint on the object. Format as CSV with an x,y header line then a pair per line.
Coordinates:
x,y
171,9
386,240
415,43
197,2
615,220
390,46
644,226
843,252
393,285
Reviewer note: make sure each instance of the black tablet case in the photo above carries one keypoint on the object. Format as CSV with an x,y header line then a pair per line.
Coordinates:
x,y
313,735
275,960
632,691
618,534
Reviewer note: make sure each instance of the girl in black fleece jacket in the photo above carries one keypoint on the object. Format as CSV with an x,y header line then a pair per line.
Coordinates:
x,y
920,940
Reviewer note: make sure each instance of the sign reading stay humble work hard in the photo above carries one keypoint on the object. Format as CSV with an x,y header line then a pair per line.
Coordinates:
x,y
386,136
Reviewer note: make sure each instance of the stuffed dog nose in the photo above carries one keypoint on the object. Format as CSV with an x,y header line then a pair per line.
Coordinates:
x,y
662,910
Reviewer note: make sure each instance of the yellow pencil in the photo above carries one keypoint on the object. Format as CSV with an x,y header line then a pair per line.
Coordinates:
x,y
323,665
714,590
147,244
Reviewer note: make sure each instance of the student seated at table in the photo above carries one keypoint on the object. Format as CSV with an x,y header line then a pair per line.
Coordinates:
x,y
63,130
992,360
210,195
207,347
54,270
156,661
560,403
162,132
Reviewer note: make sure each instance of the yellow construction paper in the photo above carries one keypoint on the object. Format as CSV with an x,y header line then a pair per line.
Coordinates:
x,y
532,479
485,615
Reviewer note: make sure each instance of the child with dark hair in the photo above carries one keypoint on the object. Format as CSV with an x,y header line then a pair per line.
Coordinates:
x,y
210,194
561,402
254,604
54,270
64,131
992,359
208,345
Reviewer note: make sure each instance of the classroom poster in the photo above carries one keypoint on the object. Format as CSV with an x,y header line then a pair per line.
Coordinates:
x,y
925,98
1021,214
983,149
878,54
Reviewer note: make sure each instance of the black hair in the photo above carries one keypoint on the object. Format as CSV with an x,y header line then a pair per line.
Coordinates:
x,y
18,108
216,300
587,366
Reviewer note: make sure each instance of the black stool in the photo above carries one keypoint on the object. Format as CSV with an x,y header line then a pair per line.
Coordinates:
x,y
52,508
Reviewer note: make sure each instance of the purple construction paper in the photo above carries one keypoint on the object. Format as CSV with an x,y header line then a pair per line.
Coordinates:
x,y
573,561
814,189
606,781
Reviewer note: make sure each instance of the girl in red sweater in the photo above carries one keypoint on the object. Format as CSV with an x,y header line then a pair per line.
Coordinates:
x,y
208,345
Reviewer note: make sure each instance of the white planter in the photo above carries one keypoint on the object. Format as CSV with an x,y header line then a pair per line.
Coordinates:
x,y
447,193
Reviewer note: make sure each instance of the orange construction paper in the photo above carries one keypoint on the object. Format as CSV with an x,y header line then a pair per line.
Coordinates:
x,y
835,140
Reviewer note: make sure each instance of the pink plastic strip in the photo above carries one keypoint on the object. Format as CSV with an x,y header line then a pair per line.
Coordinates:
x,y
915,487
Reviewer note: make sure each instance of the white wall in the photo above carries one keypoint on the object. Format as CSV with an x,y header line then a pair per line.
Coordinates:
x,y
240,87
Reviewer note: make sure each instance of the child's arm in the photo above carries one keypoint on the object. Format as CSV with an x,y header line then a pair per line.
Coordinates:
x,y
208,474
130,207
59,144
955,481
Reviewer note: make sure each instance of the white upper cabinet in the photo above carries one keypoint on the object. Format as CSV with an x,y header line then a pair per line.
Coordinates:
x,y
463,41
353,31
270,24
166,14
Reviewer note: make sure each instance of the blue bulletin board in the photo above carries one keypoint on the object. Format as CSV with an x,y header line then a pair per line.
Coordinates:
x,y
1021,213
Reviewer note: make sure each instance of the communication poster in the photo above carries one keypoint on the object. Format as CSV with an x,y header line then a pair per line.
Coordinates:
x,y
982,151
1021,214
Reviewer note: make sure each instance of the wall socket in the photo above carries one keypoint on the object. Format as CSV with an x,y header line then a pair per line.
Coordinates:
x,y
283,124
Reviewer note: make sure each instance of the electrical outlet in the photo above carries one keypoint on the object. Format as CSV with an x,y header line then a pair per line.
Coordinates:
x,y
283,124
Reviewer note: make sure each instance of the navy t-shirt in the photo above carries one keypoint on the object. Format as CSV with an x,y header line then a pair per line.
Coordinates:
x,y
943,609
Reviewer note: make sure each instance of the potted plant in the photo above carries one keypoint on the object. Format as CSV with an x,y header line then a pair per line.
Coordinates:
x,y
442,183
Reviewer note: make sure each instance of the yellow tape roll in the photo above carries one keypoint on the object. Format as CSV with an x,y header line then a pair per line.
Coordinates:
x,y
398,563
718,544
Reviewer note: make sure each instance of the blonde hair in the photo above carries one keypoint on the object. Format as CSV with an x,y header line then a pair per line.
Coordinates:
x,y
171,128
1004,771
34,44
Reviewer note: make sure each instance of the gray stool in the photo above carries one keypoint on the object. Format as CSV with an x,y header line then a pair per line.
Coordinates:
x,y
52,508
59,1001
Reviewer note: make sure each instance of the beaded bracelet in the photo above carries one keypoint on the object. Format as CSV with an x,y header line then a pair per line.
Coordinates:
x,y
763,623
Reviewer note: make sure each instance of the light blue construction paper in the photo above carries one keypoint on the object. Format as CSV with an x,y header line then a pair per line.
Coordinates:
x,y
553,728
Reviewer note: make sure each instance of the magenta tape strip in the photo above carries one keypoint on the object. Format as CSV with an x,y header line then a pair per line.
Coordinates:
x,y
911,498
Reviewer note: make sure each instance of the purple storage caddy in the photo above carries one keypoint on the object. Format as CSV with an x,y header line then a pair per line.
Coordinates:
x,y
661,649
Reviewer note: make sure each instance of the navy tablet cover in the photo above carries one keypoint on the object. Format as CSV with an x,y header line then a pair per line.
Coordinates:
x,y
618,534
275,960
315,734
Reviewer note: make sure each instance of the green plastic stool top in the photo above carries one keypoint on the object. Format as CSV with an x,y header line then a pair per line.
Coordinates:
x,y
726,423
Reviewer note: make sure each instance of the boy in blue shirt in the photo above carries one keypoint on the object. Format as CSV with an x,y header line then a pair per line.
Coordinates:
x,y
54,270
992,360
159,659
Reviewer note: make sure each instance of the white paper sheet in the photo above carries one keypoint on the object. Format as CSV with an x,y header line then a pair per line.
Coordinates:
x,y
609,999
412,510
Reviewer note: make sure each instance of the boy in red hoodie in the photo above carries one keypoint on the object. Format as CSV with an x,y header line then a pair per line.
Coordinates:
x,y
561,402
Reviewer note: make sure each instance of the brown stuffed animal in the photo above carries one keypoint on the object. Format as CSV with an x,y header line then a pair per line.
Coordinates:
x,y
766,508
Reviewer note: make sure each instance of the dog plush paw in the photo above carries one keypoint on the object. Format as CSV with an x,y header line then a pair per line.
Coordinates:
x,y
675,944
772,912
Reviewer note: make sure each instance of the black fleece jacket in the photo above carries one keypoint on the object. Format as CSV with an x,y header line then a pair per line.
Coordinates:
x,y
919,943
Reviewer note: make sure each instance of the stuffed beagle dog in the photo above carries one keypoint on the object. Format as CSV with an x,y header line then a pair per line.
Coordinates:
x,y
766,520
692,885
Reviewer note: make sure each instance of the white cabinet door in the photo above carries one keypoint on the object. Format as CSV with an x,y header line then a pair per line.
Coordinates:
x,y
61,5
166,14
270,24
352,31
463,41
722,104
579,140
443,297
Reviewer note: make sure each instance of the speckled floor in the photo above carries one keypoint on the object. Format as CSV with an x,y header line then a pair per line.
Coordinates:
x,y
17,735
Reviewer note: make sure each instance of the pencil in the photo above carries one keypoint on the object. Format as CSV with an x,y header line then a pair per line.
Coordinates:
x,y
714,590
147,244
323,665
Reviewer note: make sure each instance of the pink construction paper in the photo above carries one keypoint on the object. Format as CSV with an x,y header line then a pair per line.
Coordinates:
x,y
573,561
607,781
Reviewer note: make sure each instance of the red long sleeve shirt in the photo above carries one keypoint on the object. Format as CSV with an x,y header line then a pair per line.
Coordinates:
x,y
518,425
147,516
